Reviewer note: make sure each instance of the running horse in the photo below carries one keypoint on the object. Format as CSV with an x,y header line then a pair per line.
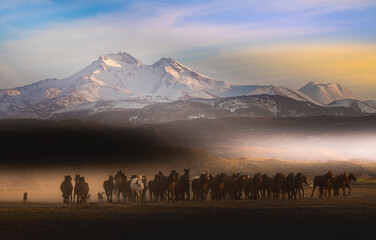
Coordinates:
x,y
66,188
120,184
324,183
185,185
77,188
300,179
171,185
108,186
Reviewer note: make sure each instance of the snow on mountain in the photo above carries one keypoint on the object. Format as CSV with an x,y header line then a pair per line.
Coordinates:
x,y
239,90
354,104
327,93
264,106
118,77
119,81
371,103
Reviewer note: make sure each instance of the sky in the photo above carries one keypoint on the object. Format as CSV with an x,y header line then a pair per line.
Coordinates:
x,y
270,42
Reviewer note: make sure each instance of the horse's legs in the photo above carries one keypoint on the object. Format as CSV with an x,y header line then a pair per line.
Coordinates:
x,y
348,186
313,190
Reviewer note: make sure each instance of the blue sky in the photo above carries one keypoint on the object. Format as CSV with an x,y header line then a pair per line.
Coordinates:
x,y
285,42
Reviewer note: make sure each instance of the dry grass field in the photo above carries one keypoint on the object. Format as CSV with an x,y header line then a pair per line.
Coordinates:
x,y
254,219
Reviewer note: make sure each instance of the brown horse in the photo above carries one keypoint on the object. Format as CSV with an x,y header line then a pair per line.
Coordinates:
x,y
120,184
277,185
145,182
77,188
171,187
339,182
288,186
300,179
66,188
266,186
351,177
235,186
108,186
342,181
324,183
152,189
217,186
83,190
184,185
247,186
256,186
160,184
200,187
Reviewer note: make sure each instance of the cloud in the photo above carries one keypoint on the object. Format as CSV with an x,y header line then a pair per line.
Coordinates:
x,y
8,76
296,64
237,41
65,48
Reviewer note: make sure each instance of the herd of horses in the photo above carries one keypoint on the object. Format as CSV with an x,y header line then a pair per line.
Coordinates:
x,y
175,187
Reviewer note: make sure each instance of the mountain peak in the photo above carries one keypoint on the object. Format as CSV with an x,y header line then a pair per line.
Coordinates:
x,y
328,92
165,62
118,59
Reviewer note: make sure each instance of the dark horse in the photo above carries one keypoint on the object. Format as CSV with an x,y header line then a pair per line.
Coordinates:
x,y
83,190
200,187
342,181
351,177
323,181
108,186
77,188
184,187
289,186
66,188
278,179
171,187
300,179
120,184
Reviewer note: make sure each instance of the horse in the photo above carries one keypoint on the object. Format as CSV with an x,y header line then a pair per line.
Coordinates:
x,y
339,182
300,179
171,180
184,185
83,190
266,186
137,188
342,181
323,181
217,185
351,177
278,179
247,186
160,183
120,184
145,181
77,188
108,186
289,186
256,186
66,188
152,190
200,187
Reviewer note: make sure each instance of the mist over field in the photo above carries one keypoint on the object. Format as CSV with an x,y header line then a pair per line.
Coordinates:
x,y
53,149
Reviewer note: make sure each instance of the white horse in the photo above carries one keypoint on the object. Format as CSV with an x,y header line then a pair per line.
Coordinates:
x,y
137,187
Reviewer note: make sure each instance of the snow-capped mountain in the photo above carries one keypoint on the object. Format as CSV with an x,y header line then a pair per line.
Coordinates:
x,y
118,81
120,77
240,90
360,106
327,93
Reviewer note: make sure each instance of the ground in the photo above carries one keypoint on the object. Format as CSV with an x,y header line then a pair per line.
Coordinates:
x,y
308,218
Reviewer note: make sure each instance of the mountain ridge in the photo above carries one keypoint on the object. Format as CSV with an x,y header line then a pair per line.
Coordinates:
x,y
122,80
